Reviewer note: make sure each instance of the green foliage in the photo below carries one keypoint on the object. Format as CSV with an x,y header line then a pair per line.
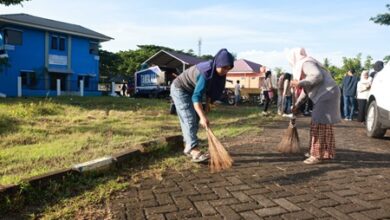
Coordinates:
x,y
368,63
352,63
11,2
386,59
108,63
355,63
382,19
337,73
207,57
326,63
278,71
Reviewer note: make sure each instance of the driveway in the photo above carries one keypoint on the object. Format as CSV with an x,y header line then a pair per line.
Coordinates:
x,y
264,184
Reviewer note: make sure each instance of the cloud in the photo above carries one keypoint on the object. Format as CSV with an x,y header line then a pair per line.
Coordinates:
x,y
278,58
259,31
271,59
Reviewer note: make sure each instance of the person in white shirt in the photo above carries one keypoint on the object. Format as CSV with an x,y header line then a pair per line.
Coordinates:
x,y
363,88
237,93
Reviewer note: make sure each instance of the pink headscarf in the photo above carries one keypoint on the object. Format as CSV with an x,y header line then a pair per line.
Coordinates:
x,y
296,57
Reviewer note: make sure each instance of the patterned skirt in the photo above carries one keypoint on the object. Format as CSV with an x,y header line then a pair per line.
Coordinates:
x,y
322,141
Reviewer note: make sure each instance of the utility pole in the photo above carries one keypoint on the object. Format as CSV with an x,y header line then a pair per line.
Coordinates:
x,y
200,47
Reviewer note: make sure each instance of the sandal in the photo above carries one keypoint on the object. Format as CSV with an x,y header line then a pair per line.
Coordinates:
x,y
311,160
200,158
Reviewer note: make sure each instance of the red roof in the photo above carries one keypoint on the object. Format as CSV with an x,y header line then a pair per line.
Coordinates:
x,y
245,66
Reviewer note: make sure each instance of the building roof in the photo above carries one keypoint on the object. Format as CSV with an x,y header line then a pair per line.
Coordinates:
x,y
172,59
52,25
245,66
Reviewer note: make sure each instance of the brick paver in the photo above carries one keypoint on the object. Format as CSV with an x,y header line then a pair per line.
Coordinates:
x,y
264,184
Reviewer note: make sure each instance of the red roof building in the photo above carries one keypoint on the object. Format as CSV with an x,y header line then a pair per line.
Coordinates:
x,y
247,72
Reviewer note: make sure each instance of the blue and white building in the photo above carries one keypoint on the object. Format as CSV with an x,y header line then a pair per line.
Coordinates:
x,y
41,50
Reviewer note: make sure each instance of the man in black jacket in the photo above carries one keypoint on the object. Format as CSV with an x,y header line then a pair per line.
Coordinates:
x,y
349,85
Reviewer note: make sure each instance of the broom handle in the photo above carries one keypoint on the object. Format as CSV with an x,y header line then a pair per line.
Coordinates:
x,y
294,99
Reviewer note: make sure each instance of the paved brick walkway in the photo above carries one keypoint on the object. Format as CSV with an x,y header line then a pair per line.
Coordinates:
x,y
264,184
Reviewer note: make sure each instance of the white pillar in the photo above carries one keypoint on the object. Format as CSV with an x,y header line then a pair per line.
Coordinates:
x,y
19,86
81,87
58,87
112,88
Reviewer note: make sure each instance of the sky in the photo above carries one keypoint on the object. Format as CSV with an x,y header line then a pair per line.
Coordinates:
x,y
261,31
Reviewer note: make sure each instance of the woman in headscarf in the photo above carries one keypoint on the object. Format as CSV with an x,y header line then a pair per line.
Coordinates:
x,y
363,88
313,81
187,90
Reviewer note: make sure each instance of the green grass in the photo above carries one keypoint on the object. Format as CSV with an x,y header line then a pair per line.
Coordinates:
x,y
40,135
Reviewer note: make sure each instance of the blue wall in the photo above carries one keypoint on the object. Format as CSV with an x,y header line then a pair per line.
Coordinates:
x,y
28,56
82,61
31,56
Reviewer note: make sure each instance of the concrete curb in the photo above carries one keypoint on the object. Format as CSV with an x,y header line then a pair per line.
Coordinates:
x,y
116,160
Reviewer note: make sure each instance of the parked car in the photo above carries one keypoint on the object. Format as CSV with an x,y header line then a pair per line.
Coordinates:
x,y
154,81
378,110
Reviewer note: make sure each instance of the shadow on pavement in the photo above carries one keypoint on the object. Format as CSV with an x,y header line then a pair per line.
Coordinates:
x,y
299,172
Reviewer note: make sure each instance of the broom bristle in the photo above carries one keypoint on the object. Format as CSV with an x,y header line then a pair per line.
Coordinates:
x,y
290,140
219,157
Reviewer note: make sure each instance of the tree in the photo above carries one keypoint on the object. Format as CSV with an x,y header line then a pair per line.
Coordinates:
x,y
326,63
206,57
368,63
11,2
352,63
386,59
278,71
108,63
382,19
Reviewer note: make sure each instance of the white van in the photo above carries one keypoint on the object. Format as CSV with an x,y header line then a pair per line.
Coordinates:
x,y
378,111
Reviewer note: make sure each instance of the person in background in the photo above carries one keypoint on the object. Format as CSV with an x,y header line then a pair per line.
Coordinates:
x,y
262,71
187,91
280,89
237,93
124,89
287,95
318,85
349,85
363,87
267,89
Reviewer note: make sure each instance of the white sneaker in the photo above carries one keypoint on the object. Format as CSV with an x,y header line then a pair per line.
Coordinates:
x,y
311,160
200,158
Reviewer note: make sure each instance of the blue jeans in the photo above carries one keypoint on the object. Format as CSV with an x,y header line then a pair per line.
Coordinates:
x,y
189,120
237,99
287,104
349,106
